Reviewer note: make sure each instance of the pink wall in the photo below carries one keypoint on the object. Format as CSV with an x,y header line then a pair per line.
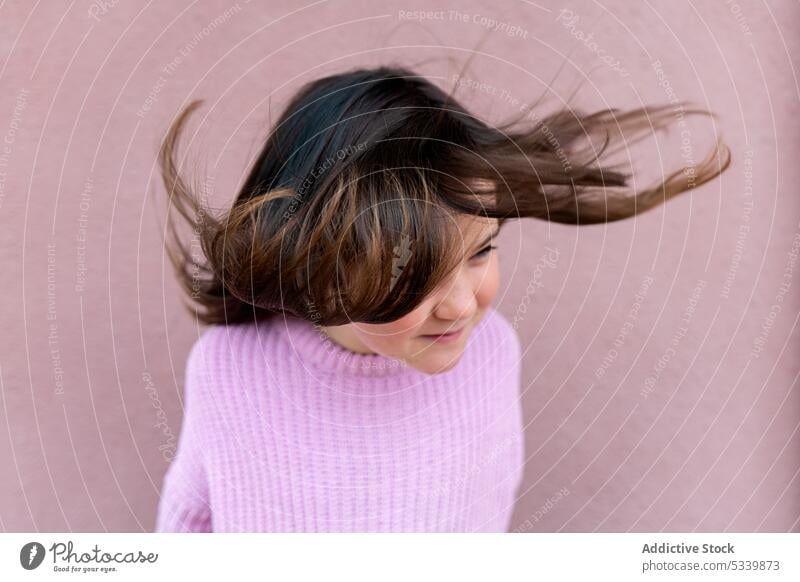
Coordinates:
x,y
94,336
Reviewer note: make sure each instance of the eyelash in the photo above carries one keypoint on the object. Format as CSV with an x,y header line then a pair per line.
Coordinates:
x,y
484,251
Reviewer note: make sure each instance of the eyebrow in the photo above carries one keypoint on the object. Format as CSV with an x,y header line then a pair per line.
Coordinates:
x,y
489,238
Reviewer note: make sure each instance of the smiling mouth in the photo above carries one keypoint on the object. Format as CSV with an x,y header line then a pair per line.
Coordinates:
x,y
445,336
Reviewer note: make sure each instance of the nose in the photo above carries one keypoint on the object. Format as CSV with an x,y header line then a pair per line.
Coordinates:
x,y
457,301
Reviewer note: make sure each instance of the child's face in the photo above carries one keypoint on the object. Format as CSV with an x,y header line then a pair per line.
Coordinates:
x,y
458,305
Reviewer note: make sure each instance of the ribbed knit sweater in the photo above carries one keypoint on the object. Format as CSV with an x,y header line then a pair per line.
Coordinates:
x,y
286,431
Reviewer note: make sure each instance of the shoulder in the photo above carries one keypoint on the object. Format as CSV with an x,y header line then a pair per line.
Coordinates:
x,y
212,368
501,336
206,348
216,349
502,333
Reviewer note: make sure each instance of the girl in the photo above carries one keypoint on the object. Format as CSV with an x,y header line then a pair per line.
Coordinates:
x,y
354,376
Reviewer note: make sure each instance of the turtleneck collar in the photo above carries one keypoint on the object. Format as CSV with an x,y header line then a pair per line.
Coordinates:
x,y
315,349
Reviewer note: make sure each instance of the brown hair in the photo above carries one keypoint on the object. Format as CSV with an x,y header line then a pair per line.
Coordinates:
x,y
374,163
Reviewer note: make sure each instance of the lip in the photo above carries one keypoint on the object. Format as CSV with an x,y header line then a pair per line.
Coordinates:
x,y
445,338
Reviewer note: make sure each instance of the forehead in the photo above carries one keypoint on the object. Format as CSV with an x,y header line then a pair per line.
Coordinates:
x,y
474,229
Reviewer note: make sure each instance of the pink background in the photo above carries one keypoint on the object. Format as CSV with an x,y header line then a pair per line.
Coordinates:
x,y
94,336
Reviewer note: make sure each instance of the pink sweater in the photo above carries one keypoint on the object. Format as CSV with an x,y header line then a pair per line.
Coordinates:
x,y
286,431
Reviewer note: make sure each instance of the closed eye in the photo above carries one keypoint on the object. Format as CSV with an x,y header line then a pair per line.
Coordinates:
x,y
484,252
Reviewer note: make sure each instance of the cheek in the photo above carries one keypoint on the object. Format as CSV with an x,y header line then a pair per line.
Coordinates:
x,y
387,338
488,283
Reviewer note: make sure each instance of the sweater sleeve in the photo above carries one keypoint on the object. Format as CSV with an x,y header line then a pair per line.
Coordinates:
x,y
184,504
